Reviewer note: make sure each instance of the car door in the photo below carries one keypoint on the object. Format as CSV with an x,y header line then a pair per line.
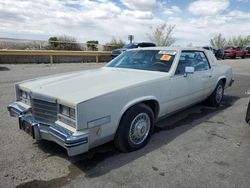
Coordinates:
x,y
238,52
204,70
191,88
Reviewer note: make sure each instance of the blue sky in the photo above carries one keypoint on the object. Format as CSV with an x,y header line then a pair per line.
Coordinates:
x,y
195,21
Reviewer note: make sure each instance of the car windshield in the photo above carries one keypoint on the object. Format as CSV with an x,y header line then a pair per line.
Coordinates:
x,y
151,60
230,48
130,46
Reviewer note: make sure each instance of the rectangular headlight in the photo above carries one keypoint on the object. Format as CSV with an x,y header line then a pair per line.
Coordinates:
x,y
67,115
25,97
72,113
64,110
67,111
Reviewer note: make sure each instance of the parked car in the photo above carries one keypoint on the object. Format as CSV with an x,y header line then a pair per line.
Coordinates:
x,y
248,51
121,101
116,52
248,110
248,113
235,51
208,48
218,53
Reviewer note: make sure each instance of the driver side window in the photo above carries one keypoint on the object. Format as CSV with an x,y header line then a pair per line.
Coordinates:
x,y
196,59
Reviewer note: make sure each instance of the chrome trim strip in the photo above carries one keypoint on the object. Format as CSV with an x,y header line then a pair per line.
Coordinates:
x,y
77,144
58,130
99,121
76,139
15,109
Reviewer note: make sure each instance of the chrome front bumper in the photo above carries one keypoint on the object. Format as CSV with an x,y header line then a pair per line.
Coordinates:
x,y
74,144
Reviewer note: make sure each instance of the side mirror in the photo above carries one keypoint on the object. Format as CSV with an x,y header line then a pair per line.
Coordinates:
x,y
189,70
248,92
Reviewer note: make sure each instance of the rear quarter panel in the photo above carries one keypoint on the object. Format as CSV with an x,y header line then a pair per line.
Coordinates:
x,y
221,72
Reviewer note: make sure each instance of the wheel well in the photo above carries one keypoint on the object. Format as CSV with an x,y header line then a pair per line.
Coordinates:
x,y
224,80
153,105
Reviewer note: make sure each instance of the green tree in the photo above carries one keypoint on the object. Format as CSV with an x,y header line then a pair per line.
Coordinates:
x,y
162,35
218,41
92,45
53,42
63,43
114,44
239,41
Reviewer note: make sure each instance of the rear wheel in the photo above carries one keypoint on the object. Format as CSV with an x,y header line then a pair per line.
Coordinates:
x,y
135,128
217,95
248,113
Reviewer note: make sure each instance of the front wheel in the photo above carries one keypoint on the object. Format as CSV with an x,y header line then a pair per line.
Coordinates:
x,y
135,128
217,95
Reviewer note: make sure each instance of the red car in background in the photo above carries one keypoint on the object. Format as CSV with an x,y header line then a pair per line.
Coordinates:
x,y
235,51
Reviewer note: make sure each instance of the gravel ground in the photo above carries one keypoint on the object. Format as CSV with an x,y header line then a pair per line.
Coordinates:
x,y
198,147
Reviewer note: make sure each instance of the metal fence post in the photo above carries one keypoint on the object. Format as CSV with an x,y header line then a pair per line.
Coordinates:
x,y
51,59
97,59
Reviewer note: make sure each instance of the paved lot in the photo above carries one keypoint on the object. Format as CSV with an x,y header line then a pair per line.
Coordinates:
x,y
198,147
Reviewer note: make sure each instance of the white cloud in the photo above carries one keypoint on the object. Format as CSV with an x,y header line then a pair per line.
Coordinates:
x,y
139,14
83,19
102,19
239,14
104,10
143,5
208,7
198,30
172,10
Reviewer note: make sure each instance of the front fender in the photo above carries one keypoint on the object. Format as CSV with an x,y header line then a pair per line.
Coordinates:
x,y
134,102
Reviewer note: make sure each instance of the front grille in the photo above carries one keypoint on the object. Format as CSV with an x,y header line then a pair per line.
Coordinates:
x,y
43,111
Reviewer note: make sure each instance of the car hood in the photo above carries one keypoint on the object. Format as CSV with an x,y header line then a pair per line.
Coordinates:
x,y
73,88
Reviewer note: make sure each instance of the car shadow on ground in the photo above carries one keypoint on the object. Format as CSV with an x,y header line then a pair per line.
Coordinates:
x,y
4,68
92,164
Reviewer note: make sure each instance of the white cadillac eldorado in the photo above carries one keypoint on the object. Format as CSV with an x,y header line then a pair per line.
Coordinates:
x,y
121,101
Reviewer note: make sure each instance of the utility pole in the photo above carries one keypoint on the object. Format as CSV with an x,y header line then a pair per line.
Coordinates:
x,y
131,38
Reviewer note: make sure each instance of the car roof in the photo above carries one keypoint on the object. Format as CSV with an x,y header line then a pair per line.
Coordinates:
x,y
170,48
141,43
